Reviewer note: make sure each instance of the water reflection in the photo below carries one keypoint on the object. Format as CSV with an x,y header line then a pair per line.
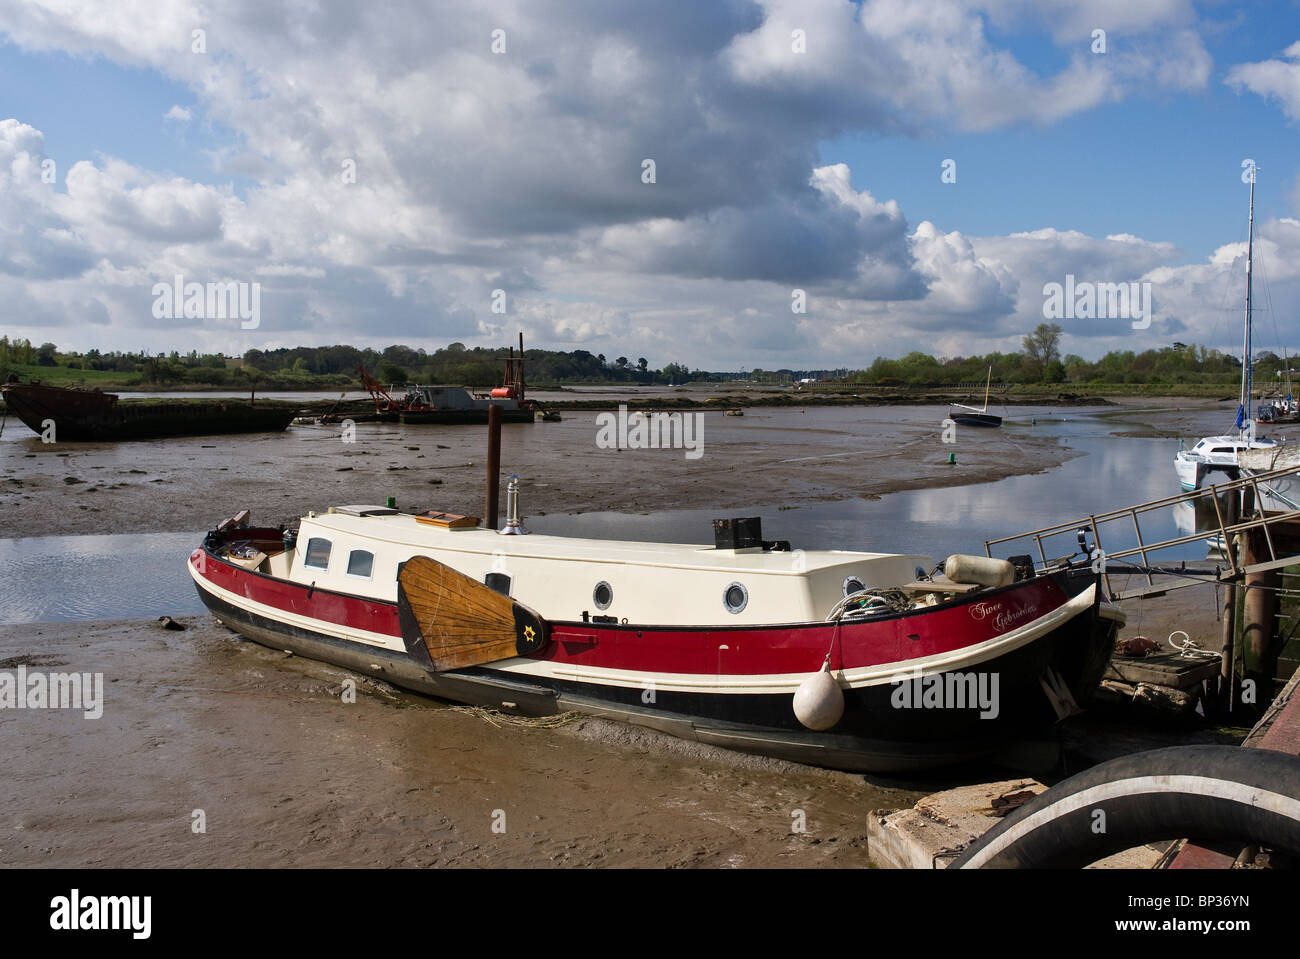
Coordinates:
x,y
1113,473
59,578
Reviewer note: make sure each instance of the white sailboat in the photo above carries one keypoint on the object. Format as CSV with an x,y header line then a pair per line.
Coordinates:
x,y
1220,454
980,417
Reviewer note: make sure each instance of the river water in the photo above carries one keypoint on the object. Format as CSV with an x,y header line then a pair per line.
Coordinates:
x,y
70,578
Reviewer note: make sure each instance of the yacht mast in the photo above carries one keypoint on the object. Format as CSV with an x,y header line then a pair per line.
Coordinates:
x,y
1246,354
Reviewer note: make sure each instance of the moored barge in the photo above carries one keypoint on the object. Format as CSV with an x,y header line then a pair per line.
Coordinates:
x,y
78,415
707,643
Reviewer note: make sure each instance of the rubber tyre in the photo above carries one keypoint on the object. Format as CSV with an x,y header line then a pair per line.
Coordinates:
x,y
1208,793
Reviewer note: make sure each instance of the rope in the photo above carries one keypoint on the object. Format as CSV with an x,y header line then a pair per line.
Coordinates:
x,y
1189,647
533,722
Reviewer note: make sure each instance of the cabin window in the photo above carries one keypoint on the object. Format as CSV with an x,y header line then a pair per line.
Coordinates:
x,y
1224,449
318,553
602,595
361,563
853,585
499,582
735,598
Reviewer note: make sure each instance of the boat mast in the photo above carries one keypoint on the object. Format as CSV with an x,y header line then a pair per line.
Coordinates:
x,y
1250,248
987,384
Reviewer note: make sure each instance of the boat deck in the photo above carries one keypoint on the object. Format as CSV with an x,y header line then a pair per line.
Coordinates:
x,y
404,530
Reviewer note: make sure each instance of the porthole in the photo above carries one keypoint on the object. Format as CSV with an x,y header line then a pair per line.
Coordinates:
x,y
735,598
602,595
853,585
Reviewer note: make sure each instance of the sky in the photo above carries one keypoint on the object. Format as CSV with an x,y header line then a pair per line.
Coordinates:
x,y
830,181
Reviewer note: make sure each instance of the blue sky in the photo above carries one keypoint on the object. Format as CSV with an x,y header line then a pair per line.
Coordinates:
x,y
818,171
1166,168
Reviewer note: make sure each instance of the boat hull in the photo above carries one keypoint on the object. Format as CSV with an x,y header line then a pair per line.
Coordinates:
x,y
91,416
733,686
987,420
461,417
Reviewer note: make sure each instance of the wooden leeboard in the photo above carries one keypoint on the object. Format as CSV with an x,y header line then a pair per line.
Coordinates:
x,y
461,622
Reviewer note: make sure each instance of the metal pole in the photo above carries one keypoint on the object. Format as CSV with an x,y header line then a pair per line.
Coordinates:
x,y
490,514
1250,251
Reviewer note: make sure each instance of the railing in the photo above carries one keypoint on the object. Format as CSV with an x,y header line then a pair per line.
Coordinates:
x,y
1226,526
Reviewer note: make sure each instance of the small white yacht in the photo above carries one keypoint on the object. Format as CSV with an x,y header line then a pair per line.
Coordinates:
x,y
1220,453
1215,454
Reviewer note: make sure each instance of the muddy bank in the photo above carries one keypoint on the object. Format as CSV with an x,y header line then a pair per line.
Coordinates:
x,y
288,774
772,457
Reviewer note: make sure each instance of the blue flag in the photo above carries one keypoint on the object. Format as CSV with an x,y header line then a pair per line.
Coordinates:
x,y
1241,416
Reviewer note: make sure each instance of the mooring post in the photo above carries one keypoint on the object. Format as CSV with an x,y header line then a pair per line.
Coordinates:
x,y
1259,649
1229,607
493,467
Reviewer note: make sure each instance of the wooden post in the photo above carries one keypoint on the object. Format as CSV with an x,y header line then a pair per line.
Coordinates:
x,y
1259,648
490,514
1229,609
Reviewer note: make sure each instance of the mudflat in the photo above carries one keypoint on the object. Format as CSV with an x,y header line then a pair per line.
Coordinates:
x,y
282,765
267,753
764,457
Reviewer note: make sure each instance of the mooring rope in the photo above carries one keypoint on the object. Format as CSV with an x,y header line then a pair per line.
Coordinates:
x,y
534,722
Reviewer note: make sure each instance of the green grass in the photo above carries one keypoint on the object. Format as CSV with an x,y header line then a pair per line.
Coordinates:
x,y
65,376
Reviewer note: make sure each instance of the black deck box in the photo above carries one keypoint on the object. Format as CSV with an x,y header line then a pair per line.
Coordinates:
x,y
739,533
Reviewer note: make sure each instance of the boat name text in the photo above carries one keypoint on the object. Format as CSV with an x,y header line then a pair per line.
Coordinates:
x,y
1003,619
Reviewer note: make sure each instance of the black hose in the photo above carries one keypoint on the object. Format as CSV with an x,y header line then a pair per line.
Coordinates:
x,y
1204,793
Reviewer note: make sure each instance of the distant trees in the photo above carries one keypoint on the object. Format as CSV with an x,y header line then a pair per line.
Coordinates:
x,y
1042,349
334,366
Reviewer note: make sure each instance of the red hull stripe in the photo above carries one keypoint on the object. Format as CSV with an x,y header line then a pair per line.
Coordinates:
x,y
768,650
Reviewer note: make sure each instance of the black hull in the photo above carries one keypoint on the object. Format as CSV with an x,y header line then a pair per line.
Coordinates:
x,y
987,420
875,734
462,417
142,420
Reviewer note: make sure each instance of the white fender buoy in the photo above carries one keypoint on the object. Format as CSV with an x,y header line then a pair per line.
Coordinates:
x,y
819,701
979,570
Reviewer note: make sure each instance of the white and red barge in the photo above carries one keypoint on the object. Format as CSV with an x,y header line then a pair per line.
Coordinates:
x,y
704,643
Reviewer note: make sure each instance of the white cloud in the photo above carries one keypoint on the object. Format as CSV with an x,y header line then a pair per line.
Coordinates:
x,y
1273,79
523,170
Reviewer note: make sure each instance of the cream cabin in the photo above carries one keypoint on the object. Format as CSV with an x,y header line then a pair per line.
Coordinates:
x,y
359,549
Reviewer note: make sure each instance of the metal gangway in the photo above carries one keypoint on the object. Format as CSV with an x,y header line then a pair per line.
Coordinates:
x,y
1240,515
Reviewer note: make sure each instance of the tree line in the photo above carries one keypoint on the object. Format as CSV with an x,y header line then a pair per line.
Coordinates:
x,y
1038,362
